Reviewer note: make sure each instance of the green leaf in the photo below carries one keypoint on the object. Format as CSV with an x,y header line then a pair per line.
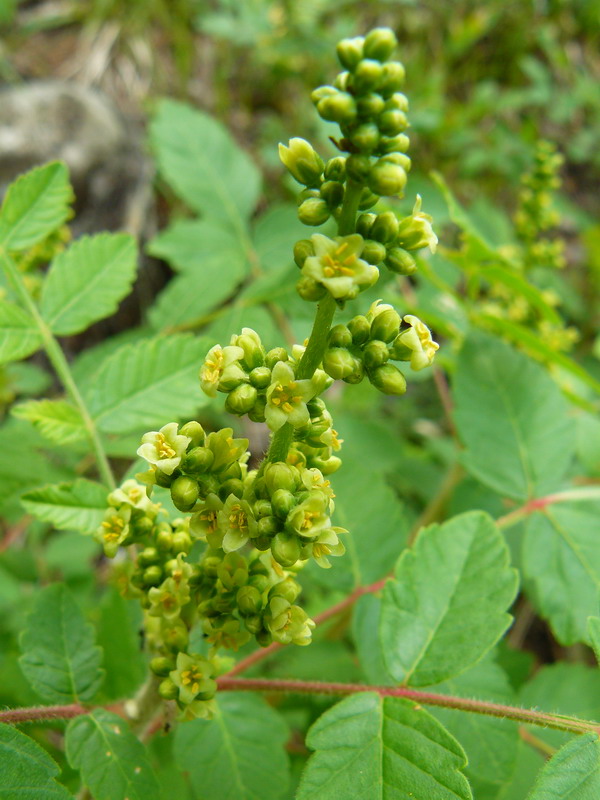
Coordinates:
x,y
202,163
240,755
35,205
57,420
374,748
113,762
275,233
118,633
26,771
448,603
19,335
561,565
60,658
573,773
87,281
147,384
507,405
593,628
79,505
189,244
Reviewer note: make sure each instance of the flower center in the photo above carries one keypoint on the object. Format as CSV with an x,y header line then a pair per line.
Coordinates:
x,y
284,397
238,519
213,367
163,448
307,522
113,528
335,265
192,677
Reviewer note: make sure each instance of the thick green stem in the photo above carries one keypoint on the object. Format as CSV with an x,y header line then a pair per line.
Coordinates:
x,y
347,220
61,367
313,355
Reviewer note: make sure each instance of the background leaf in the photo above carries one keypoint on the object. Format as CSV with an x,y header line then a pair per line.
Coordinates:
x,y
19,336
239,755
26,771
57,420
573,773
374,748
87,281
60,658
79,505
448,603
113,762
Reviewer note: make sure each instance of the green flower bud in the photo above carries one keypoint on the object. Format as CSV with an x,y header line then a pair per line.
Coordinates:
x,y
161,666
262,508
350,52
148,556
339,363
285,549
373,252
253,624
260,377
340,336
380,43
327,465
257,412
264,638
397,102
164,540
366,137
167,690
392,78
194,431
400,261
279,475
282,502
306,194
394,144
415,231
182,542
260,582
388,379
268,526
367,75
310,290
398,158
184,493
356,376
370,105
163,480
302,161
262,543
232,377
386,325
367,200
288,588
275,355
152,576
360,328
335,170
241,399
340,107
198,460
364,224
249,601
414,344
392,122
302,250
254,352
231,486
333,193
387,179
313,211
375,353
358,167
341,81
321,92
385,227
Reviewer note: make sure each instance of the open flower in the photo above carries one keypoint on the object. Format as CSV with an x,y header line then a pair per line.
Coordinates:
x,y
194,677
415,344
133,494
167,599
237,522
114,530
326,544
416,232
220,362
287,398
337,266
288,624
164,448
310,517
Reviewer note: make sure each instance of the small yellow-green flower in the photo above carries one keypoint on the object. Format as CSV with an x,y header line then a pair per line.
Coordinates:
x,y
416,232
337,266
217,361
287,398
237,522
133,494
310,517
415,344
114,529
326,544
164,448
167,599
226,449
194,677
288,624
205,523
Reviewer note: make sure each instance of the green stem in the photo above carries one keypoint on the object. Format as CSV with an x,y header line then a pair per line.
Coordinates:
x,y
61,367
347,219
313,355
540,503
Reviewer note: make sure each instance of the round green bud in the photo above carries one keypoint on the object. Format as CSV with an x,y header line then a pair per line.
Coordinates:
x,y
184,493
249,601
231,486
282,502
234,470
386,325
176,639
253,624
342,81
168,690
195,431
340,336
367,75
380,43
373,252
264,638
302,250
327,465
394,144
161,666
241,399
262,508
398,158
198,460
207,484
260,377
339,107
367,200
254,353
392,122
364,224
288,588
397,102
275,355
142,526
358,374
333,193
316,406
338,362
262,542
392,78
366,137
321,92
358,167
360,328
335,169
148,556
260,582
268,526
163,480
387,179
302,161
388,379
313,211
370,105
400,261
181,543
232,377
152,576
257,412
285,549
350,52
375,354
310,290
306,194
279,475
164,540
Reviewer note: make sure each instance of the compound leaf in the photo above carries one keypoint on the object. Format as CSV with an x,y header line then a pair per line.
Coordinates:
x,y
57,420
78,505
19,335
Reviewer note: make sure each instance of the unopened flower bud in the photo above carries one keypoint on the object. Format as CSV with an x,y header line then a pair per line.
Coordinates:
x,y
231,486
392,122
333,193
168,690
367,199
340,336
360,328
327,465
260,377
302,250
148,556
400,261
338,362
287,588
394,144
366,137
398,158
416,231
358,167
279,475
313,211
181,543
152,576
388,379
375,354
387,179
364,224
370,105
386,325
275,355
282,502
194,431
373,252
367,75
350,52
380,44
385,227
241,399
249,601
342,81
335,169
161,666
321,92
257,412
285,549
184,493
310,290
392,78
254,352
268,526
302,161
357,375
397,102
339,107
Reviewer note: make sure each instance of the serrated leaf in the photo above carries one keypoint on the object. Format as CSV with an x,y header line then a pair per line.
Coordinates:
x,y
118,633
561,565
448,603
203,164
57,420
113,762
573,773
507,405
35,205
240,755
87,281
19,336
188,244
374,748
78,505
59,656
26,771
142,385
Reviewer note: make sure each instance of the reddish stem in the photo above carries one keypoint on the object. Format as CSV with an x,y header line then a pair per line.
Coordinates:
x,y
15,716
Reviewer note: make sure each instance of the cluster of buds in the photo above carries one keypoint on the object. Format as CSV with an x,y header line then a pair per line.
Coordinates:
x,y
367,344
